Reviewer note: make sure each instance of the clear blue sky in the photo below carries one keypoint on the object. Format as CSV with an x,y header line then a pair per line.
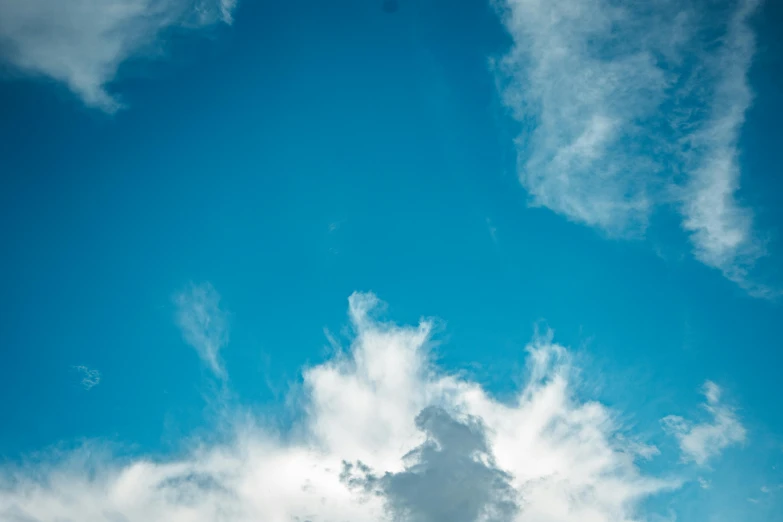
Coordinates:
x,y
308,150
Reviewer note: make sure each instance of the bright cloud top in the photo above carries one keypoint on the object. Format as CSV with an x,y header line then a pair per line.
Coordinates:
x,y
204,323
385,434
628,106
700,442
83,42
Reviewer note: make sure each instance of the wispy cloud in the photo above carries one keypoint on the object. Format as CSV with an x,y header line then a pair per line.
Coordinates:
x,y
702,441
90,378
579,80
383,433
204,323
629,106
82,43
721,228
227,10
493,230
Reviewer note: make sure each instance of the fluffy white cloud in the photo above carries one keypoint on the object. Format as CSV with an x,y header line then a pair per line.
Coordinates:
x,y
626,106
83,42
385,434
90,378
204,323
700,442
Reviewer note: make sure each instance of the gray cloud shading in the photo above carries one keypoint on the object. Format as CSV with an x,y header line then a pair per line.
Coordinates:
x,y
453,476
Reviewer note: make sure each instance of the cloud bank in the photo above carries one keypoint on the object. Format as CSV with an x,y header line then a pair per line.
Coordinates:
x,y
385,435
82,43
627,106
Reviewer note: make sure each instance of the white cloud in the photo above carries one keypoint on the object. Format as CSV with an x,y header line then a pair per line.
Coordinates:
x,y
721,228
83,42
581,109
384,434
203,323
227,10
629,106
702,441
90,378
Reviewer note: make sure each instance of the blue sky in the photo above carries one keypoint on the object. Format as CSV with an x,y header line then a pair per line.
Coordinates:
x,y
257,253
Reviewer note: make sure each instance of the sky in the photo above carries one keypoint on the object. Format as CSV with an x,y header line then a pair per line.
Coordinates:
x,y
426,260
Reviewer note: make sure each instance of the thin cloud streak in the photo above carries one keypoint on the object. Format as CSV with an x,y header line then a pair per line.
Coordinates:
x,y
204,324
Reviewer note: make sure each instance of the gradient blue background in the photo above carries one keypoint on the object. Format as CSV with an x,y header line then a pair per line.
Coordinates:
x,y
311,150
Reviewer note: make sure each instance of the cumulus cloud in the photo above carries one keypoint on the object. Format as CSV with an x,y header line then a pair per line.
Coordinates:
x,y
702,441
82,43
628,106
90,378
204,323
384,434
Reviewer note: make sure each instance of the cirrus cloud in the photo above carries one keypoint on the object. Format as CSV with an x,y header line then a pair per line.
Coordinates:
x,y
629,106
204,324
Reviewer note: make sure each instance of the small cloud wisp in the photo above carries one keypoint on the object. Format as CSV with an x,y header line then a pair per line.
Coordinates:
x,y
703,441
90,378
204,324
